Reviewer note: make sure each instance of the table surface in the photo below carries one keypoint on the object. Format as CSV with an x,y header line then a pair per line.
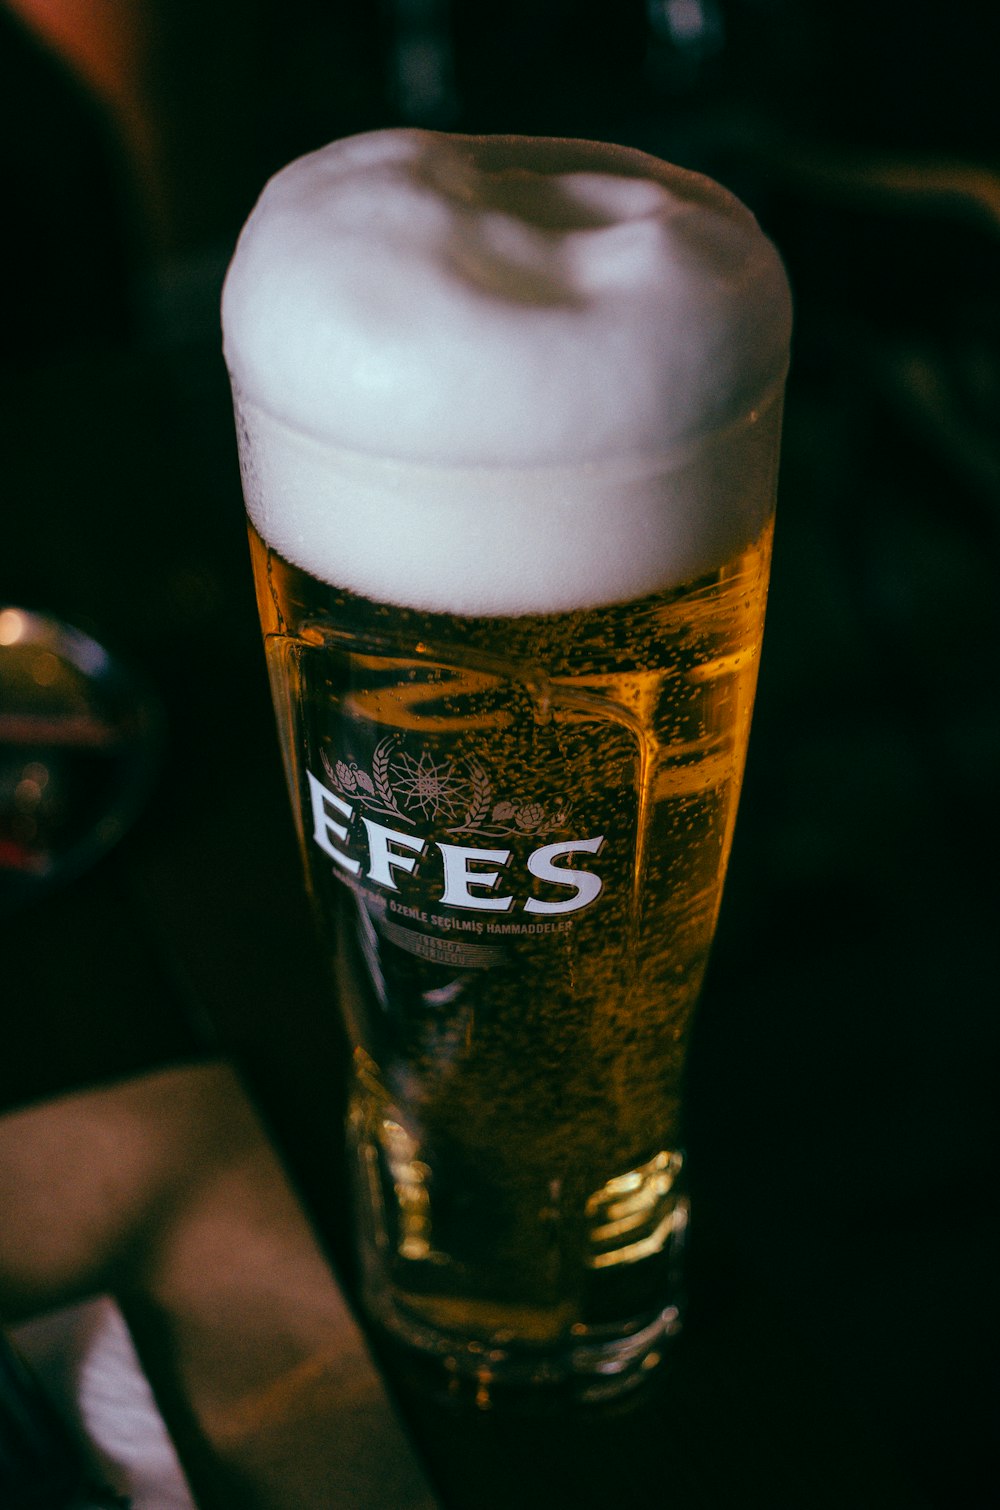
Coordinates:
x,y
167,1009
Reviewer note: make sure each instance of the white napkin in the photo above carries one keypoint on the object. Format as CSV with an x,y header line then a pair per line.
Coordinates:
x,y
84,1358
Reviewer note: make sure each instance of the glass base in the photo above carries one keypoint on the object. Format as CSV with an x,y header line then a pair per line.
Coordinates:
x,y
495,1293
591,1368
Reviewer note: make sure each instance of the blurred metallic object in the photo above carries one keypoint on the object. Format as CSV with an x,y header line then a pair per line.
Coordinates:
x,y
928,184
79,739
421,62
695,29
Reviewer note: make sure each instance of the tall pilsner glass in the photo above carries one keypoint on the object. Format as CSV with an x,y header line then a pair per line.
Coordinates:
x,y
508,415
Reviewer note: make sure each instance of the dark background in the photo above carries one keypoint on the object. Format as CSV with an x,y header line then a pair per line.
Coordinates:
x,y
843,1338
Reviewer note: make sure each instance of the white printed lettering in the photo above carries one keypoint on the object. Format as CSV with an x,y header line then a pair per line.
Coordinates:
x,y
458,878
382,860
324,826
585,884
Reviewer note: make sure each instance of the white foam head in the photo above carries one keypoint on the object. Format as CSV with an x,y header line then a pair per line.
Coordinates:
x,y
501,374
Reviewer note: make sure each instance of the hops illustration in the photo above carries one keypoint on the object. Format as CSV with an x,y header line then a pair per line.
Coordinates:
x,y
530,816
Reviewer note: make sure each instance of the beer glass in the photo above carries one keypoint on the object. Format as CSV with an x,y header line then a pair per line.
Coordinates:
x,y
513,697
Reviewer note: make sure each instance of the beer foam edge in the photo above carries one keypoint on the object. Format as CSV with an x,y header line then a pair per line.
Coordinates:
x,y
504,375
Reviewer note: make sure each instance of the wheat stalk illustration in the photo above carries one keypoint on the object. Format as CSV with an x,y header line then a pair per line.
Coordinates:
x,y
482,796
328,768
380,775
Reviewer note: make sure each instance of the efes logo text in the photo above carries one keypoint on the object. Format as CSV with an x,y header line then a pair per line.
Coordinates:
x,y
470,878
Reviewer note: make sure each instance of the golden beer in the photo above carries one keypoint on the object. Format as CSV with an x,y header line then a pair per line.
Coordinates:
x,y
517,1068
